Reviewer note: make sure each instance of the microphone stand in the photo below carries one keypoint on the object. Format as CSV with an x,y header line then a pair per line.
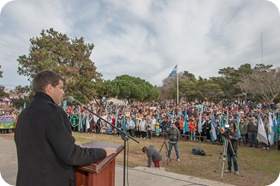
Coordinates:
x,y
125,136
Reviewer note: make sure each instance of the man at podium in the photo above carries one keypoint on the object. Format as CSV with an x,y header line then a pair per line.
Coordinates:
x,y
46,149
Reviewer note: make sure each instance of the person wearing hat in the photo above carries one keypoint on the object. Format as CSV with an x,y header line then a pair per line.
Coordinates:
x,y
173,136
153,155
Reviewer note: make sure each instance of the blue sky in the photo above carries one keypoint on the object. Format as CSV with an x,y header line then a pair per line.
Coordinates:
x,y
147,38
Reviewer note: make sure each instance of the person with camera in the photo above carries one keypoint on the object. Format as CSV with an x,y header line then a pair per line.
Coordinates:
x,y
232,149
173,136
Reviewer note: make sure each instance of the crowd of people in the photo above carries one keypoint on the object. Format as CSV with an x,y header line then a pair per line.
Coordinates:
x,y
196,121
47,126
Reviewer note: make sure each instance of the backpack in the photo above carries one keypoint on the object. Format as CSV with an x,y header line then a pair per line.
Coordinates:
x,y
198,151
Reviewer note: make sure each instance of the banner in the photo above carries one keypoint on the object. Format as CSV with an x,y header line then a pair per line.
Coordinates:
x,y
7,122
74,119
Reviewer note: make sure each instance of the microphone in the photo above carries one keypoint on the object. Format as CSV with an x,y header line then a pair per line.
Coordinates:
x,y
74,101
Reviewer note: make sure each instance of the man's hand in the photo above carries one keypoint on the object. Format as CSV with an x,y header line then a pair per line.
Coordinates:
x,y
110,150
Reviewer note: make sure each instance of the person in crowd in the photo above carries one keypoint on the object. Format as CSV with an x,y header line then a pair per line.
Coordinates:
x,y
205,125
130,126
153,155
173,136
252,130
243,130
143,128
154,121
149,126
164,124
192,128
46,149
266,123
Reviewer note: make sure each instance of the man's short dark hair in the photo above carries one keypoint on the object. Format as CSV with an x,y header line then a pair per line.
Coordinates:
x,y
45,77
144,149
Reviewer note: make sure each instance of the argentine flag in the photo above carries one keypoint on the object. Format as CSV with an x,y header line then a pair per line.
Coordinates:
x,y
173,72
213,129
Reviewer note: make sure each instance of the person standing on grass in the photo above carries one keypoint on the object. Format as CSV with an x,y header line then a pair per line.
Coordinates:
x,y
232,150
173,136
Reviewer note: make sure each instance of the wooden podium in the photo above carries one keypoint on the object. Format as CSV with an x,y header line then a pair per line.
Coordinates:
x,y
101,173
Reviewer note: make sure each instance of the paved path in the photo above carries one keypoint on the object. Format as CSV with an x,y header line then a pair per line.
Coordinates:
x,y
137,176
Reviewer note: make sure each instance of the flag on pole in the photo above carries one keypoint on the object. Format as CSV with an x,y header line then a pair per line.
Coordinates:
x,y
200,120
87,121
270,129
261,131
186,125
124,122
222,127
64,105
80,127
227,118
173,72
222,121
213,129
238,125
20,110
275,126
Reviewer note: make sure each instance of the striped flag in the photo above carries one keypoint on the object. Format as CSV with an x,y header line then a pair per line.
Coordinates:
x,y
64,105
261,131
275,126
87,121
124,122
173,72
117,115
200,120
213,129
158,116
270,129
238,125
80,119
185,128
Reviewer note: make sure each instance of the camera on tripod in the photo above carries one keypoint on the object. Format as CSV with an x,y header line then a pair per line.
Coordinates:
x,y
226,132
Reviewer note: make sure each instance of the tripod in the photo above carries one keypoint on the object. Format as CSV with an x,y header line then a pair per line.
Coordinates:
x,y
164,144
226,143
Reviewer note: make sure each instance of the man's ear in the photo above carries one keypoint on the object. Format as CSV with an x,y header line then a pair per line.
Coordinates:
x,y
48,88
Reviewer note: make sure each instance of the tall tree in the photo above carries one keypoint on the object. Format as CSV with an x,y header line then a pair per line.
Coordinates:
x,y
229,78
263,83
69,57
133,88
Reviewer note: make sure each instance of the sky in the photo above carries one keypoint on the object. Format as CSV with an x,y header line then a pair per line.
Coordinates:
x,y
147,38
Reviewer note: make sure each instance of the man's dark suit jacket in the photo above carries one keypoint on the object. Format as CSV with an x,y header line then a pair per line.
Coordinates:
x,y
46,149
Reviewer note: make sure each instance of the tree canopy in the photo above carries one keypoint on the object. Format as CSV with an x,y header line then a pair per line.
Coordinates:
x,y
69,57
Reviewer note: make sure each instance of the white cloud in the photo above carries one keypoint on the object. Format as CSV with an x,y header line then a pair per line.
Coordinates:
x,y
147,38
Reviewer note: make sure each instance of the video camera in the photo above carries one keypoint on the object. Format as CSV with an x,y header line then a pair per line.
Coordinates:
x,y
226,131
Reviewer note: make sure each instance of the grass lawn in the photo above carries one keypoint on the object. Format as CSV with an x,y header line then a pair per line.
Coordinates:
x,y
257,167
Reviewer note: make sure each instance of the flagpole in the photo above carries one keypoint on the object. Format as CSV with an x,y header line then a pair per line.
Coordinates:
x,y
177,88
